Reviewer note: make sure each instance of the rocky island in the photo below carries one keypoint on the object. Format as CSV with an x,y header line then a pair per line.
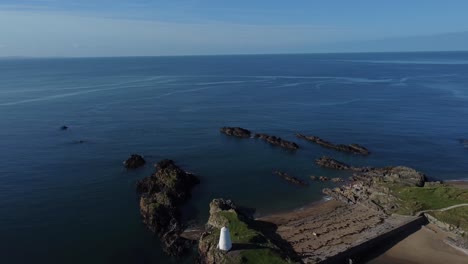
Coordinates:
x,y
277,141
134,161
162,195
352,148
236,132
245,133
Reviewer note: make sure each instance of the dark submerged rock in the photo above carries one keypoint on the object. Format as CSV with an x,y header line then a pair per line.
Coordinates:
x,y
352,148
236,132
63,128
277,141
162,195
330,163
290,178
135,161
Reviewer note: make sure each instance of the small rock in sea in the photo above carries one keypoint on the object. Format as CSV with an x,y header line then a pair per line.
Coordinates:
x,y
314,178
134,161
337,180
63,128
323,178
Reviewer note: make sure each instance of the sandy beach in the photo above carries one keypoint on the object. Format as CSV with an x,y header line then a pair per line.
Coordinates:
x,y
424,246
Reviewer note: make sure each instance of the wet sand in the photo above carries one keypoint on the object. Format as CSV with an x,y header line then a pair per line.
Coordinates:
x,y
424,246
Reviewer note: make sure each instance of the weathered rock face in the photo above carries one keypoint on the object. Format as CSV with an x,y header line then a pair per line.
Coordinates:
x,y
277,141
353,148
290,178
162,194
236,131
371,188
135,161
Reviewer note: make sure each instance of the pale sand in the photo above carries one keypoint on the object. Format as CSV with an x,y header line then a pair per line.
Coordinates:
x,y
424,246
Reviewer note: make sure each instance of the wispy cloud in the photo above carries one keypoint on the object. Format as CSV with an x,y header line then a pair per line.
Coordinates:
x,y
50,34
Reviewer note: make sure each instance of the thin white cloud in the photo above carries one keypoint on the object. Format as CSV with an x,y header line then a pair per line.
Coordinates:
x,y
50,34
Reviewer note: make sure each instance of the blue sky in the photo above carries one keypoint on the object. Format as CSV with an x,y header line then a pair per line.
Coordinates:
x,y
179,27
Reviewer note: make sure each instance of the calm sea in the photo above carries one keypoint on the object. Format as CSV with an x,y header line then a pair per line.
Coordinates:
x,y
65,202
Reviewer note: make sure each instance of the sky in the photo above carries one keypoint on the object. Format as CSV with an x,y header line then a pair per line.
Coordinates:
x,y
90,28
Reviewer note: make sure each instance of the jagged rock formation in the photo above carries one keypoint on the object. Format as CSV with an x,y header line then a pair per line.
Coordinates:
x,y
290,178
135,161
162,194
250,242
352,148
372,187
277,141
236,132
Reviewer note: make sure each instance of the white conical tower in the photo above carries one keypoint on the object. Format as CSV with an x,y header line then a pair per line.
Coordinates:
x,y
225,243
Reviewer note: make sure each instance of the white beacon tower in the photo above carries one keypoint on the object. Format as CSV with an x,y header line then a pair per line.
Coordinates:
x,y
225,243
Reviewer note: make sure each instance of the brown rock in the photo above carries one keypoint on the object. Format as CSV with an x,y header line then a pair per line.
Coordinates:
x,y
352,148
277,141
162,195
236,132
134,161
290,178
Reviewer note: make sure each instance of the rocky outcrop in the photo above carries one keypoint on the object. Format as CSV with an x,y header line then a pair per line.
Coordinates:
x,y
464,142
162,195
277,141
352,148
135,161
290,178
371,188
236,132
250,241
329,163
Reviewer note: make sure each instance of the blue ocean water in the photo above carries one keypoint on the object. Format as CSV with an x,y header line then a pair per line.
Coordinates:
x,y
65,202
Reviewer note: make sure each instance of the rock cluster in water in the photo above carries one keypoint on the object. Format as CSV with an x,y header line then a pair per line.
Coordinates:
x,y
290,178
134,161
330,163
277,141
162,195
352,148
245,133
236,132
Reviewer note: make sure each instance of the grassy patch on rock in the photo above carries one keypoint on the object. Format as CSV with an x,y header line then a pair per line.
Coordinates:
x,y
415,199
457,217
249,243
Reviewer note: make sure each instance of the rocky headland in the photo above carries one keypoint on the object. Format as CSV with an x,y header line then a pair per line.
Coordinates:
x,y
162,195
253,241
352,148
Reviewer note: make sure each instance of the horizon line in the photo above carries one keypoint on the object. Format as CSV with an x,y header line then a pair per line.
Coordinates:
x,y
225,54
